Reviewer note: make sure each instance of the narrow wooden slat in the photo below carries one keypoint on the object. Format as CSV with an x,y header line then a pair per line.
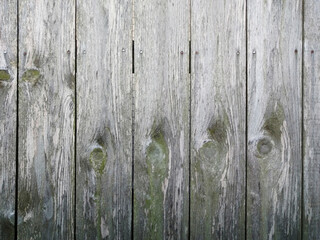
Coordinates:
x,y
46,119
104,150
161,136
311,181
8,116
274,119
218,116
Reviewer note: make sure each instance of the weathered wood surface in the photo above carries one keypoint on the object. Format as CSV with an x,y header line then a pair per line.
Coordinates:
x,y
311,180
104,110
218,119
8,116
46,119
161,139
274,119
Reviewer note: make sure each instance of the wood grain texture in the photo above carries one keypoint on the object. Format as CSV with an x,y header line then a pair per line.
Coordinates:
x,y
104,110
46,119
274,119
161,136
311,217
8,116
218,116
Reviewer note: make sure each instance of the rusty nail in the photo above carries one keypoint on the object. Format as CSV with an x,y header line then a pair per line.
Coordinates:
x,y
25,54
197,52
68,51
312,51
295,50
181,52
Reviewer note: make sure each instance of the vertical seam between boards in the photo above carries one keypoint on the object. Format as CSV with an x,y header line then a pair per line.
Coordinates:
x,y
17,130
75,119
190,132
132,142
302,121
132,121
246,123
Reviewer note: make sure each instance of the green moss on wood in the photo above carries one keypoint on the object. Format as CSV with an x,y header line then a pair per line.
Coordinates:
x,y
217,131
274,122
4,75
157,158
98,160
32,76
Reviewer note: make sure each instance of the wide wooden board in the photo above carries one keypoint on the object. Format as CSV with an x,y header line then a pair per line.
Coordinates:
x,y
8,116
46,119
311,135
218,119
161,137
104,125
274,119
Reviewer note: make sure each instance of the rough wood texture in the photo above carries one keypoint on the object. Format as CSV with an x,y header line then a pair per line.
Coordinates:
x,y
311,218
46,119
274,119
161,119
8,114
104,110
218,113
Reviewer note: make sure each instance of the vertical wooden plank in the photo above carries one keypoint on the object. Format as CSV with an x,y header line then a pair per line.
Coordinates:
x,y
8,120
104,150
161,137
46,119
311,217
218,119
274,119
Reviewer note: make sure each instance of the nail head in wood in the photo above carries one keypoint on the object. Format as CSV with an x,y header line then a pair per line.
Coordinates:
x,y
181,52
141,51
312,51
254,51
123,50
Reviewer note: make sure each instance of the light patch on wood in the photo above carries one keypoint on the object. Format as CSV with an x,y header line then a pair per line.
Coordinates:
x,y
8,119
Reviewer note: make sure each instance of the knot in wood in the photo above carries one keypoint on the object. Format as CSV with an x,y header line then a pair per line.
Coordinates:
x,y
264,146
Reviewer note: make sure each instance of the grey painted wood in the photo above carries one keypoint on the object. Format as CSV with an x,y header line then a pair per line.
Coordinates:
x,y
218,117
104,110
161,139
8,116
311,217
46,119
274,119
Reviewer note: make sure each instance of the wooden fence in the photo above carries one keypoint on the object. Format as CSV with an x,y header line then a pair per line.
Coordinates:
x,y
159,119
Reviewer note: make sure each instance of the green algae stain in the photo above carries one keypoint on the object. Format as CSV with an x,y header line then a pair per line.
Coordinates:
x,y
31,75
273,124
218,131
157,158
208,166
4,75
98,160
